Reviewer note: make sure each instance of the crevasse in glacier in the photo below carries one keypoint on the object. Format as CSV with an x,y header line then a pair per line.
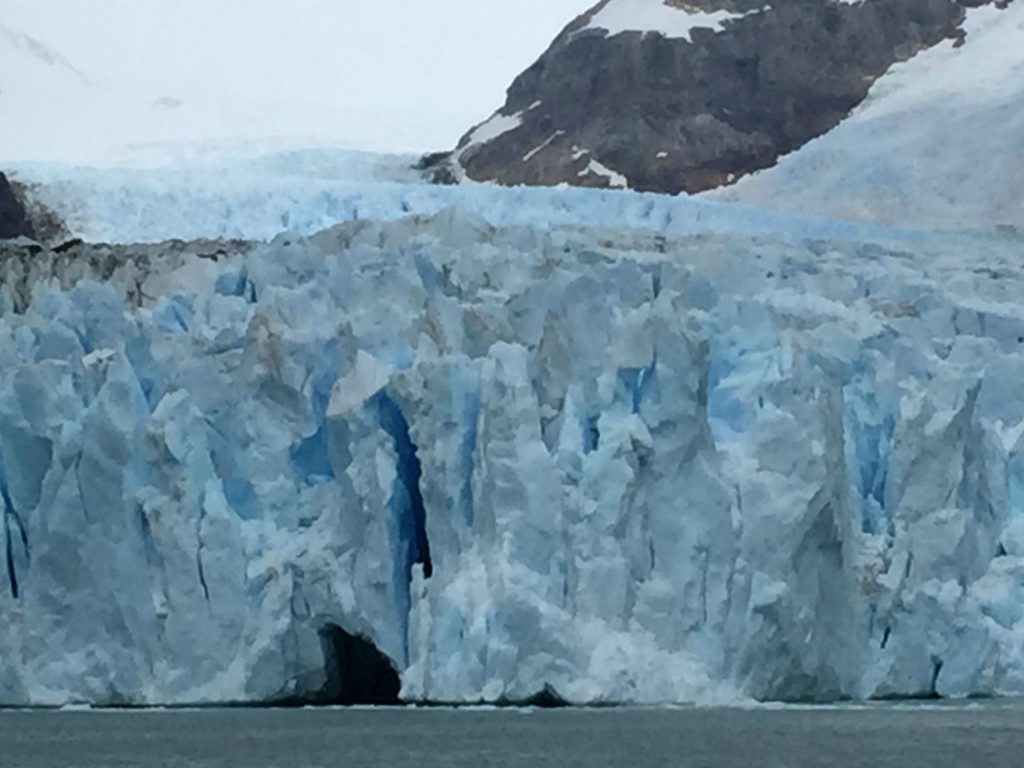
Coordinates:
x,y
616,466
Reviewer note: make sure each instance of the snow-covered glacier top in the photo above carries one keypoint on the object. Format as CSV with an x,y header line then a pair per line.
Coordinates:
x,y
258,190
620,465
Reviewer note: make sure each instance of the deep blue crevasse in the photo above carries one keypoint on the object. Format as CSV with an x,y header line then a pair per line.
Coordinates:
x,y
408,506
11,517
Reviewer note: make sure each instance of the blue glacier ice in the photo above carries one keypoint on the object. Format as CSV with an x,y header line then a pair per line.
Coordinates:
x,y
305,192
533,441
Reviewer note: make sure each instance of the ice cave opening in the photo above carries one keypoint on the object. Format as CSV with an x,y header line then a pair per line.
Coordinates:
x,y
546,698
357,672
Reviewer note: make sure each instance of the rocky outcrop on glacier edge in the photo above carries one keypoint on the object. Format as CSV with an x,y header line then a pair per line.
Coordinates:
x,y
13,218
142,272
614,466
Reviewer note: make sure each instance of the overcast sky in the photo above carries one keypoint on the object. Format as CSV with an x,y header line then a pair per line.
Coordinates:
x,y
379,74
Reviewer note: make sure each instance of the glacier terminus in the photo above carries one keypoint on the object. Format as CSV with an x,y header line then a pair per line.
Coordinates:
x,y
545,455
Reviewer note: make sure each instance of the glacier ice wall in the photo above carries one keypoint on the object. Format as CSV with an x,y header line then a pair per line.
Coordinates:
x,y
619,466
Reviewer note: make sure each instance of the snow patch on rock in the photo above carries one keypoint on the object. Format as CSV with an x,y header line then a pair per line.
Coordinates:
x,y
657,17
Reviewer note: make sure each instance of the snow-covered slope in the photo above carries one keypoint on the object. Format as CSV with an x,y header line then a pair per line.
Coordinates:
x,y
37,84
323,72
935,145
614,465
32,69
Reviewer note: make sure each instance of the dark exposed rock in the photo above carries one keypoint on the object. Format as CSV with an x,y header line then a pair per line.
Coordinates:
x,y
14,220
431,159
678,114
40,222
67,245
141,271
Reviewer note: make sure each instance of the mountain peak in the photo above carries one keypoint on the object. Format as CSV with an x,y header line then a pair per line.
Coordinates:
x,y
691,95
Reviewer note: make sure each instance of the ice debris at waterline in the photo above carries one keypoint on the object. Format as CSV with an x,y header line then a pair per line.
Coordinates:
x,y
614,467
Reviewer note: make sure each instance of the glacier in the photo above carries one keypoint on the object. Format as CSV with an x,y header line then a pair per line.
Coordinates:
x,y
256,192
618,449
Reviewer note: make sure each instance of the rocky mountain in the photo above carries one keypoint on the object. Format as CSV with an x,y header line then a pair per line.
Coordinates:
x,y
690,95
13,218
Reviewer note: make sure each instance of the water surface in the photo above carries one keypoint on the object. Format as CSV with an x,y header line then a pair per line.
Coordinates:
x,y
984,735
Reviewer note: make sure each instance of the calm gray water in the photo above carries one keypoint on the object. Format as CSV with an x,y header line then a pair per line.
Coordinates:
x,y
988,736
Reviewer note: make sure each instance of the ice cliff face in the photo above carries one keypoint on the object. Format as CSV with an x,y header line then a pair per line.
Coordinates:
x,y
622,467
